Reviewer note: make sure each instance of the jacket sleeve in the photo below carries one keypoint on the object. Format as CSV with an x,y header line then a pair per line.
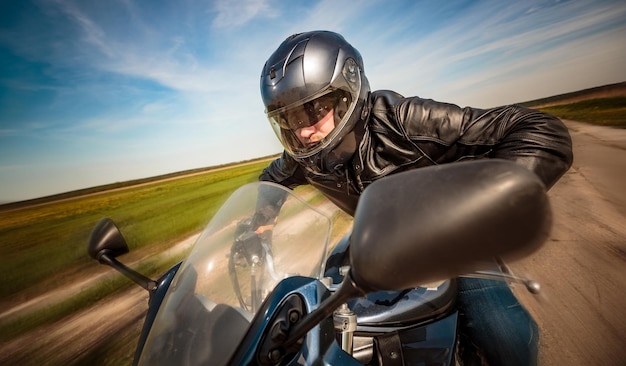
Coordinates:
x,y
537,140
284,171
447,133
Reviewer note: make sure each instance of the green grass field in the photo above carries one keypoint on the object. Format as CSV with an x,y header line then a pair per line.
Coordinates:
x,y
50,239
603,111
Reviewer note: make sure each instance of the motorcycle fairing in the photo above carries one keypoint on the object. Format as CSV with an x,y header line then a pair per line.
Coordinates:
x,y
392,308
431,344
403,308
319,343
434,341
156,298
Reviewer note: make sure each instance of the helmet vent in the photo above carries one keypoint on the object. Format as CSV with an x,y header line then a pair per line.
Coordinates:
x,y
350,73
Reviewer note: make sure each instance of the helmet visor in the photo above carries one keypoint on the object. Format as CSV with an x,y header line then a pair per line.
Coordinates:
x,y
306,128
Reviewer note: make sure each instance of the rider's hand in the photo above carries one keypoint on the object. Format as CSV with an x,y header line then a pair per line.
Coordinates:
x,y
250,237
263,228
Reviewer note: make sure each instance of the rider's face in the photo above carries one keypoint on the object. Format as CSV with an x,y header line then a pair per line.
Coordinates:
x,y
313,134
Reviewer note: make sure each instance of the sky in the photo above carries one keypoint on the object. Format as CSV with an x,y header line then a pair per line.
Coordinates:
x,y
96,92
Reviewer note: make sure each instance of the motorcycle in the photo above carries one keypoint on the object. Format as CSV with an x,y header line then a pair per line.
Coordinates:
x,y
383,295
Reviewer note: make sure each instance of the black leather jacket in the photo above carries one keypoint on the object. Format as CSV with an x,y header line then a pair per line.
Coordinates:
x,y
408,133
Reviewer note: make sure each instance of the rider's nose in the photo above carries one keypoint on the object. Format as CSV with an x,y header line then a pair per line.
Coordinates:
x,y
306,131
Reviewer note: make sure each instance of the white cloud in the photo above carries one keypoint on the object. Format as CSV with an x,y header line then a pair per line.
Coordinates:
x,y
231,13
468,56
92,33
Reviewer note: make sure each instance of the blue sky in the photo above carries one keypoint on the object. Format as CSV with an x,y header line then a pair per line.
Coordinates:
x,y
95,92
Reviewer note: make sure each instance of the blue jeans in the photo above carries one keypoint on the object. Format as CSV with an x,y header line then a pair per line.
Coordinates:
x,y
493,322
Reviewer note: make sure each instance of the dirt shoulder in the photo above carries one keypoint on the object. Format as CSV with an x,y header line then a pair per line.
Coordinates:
x,y
66,341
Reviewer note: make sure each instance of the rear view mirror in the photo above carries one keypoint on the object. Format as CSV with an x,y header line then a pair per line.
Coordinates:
x,y
443,221
106,243
106,238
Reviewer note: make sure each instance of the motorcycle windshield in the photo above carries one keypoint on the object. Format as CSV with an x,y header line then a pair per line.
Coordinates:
x,y
230,270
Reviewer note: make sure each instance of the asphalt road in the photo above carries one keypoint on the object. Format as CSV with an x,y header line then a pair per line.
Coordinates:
x,y
581,311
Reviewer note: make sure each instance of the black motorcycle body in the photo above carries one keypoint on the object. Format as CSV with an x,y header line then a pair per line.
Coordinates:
x,y
384,295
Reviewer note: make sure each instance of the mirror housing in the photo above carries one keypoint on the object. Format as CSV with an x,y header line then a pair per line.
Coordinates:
x,y
106,243
442,221
106,238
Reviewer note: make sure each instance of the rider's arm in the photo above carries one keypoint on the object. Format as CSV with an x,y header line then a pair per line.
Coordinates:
x,y
537,140
286,172
447,133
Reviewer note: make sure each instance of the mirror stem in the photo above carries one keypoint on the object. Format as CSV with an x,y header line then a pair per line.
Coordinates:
x,y
532,286
347,291
138,278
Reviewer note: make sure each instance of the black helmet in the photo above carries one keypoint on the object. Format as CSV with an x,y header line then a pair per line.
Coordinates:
x,y
310,75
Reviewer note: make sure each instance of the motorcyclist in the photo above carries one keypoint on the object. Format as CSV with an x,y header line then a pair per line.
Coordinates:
x,y
340,137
